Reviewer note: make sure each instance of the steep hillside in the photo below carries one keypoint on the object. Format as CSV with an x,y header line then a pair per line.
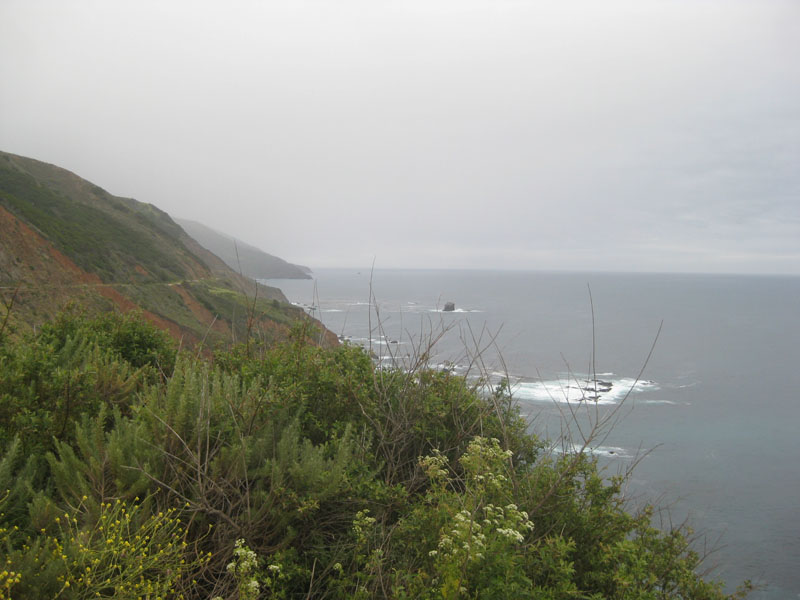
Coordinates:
x,y
241,257
65,240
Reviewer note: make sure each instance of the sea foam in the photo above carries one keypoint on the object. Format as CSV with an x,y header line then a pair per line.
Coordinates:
x,y
606,451
608,391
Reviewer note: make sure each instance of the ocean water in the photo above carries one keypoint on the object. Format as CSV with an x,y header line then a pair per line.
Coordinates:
x,y
712,417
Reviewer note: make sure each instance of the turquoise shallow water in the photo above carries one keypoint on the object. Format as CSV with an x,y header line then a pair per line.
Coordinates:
x,y
717,406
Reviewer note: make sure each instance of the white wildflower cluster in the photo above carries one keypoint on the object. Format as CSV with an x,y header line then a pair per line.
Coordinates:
x,y
244,559
485,463
464,539
244,567
509,521
491,480
362,524
435,465
483,527
469,537
511,534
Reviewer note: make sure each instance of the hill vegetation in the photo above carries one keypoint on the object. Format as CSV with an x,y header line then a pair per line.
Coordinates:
x,y
67,240
132,470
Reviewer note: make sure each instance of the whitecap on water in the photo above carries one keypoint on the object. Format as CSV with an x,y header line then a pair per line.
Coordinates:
x,y
449,367
609,390
381,341
607,451
657,402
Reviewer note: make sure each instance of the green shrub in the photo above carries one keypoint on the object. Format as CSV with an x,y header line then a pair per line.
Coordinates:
x,y
345,480
73,367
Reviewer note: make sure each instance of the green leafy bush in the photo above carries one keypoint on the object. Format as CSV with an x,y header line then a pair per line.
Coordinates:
x,y
72,367
310,471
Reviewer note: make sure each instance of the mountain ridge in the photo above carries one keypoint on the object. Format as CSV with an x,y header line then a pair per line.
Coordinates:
x,y
68,242
241,256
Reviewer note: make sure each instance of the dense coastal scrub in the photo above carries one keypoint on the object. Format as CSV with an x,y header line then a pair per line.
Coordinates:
x,y
132,470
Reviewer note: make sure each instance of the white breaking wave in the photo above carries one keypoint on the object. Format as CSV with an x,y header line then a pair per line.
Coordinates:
x,y
574,391
607,451
362,341
657,402
450,367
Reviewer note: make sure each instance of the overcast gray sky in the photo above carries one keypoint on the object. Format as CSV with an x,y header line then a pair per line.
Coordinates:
x,y
647,135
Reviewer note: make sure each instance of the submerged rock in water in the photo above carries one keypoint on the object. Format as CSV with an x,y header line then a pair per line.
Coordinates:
x,y
449,307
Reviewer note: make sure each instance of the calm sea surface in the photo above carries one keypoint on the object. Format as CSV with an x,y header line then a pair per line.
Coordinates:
x,y
716,409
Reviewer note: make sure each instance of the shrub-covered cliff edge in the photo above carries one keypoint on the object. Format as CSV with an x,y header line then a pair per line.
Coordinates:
x,y
130,470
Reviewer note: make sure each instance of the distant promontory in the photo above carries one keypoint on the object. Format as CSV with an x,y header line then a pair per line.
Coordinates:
x,y
241,257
